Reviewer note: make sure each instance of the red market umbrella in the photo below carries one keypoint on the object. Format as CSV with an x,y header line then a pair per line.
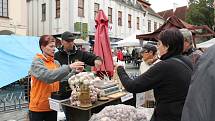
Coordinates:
x,y
102,44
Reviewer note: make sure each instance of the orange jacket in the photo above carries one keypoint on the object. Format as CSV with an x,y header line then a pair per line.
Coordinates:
x,y
41,89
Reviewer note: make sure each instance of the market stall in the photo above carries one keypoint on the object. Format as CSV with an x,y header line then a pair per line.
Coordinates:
x,y
129,41
123,112
84,113
175,22
90,94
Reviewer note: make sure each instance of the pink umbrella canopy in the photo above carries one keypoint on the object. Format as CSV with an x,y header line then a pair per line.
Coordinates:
x,y
102,44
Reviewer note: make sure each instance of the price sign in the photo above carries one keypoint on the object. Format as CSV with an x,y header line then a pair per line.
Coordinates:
x,y
128,96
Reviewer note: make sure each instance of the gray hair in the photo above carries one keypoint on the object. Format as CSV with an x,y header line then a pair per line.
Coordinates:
x,y
187,35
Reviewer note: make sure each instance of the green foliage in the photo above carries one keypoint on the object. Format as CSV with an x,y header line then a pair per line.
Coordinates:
x,y
201,12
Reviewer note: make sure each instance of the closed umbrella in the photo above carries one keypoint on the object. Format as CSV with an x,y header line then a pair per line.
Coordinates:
x,y
102,44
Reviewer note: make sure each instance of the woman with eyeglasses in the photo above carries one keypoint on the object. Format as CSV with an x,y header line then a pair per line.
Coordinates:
x,y
45,76
169,78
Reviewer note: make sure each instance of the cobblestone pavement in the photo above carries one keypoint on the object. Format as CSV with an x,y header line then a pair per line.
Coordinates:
x,y
16,115
22,114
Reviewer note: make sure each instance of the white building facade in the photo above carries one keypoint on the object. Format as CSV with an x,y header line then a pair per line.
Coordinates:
x,y
78,16
13,17
153,22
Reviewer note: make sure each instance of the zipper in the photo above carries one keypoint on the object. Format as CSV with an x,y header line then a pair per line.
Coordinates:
x,y
68,59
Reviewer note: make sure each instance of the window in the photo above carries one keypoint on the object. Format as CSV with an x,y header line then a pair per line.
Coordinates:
x,y
57,8
138,23
96,9
129,20
160,25
144,22
155,26
81,8
120,18
149,26
4,8
43,12
110,14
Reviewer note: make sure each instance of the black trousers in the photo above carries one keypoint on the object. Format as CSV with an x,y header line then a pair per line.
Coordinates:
x,y
43,116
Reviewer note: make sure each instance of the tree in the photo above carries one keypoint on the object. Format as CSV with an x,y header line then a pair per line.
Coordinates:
x,y
201,12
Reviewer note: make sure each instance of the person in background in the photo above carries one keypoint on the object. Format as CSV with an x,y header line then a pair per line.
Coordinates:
x,y
119,55
149,56
134,55
189,50
45,76
125,55
124,51
169,78
69,53
199,104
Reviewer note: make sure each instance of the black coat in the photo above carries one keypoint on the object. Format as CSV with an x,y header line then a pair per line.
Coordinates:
x,y
65,58
75,54
170,80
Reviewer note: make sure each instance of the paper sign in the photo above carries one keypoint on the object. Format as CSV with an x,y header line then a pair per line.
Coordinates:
x,y
128,96
140,99
55,105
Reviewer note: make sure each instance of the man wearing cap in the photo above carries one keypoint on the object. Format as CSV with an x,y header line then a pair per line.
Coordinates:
x,y
149,56
189,50
69,53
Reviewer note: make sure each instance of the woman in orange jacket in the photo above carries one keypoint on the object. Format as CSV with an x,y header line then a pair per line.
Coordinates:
x,y
45,76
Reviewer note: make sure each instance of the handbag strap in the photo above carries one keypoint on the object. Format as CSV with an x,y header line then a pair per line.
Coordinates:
x,y
182,62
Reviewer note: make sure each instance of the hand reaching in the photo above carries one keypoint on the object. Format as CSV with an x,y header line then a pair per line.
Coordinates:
x,y
116,65
78,66
98,63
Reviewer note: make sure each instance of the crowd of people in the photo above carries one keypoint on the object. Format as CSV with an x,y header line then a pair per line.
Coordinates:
x,y
170,75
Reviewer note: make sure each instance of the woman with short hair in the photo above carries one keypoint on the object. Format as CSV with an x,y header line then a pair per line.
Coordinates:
x,y
169,78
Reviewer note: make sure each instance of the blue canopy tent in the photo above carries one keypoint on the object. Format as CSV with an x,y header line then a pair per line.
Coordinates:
x,y
16,54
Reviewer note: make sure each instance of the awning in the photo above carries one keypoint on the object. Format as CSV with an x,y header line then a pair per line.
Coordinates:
x,y
174,22
16,55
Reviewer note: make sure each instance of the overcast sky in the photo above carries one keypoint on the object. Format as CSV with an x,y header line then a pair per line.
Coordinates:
x,y
161,5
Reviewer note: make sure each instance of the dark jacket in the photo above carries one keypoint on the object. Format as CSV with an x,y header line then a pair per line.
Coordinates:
x,y
194,54
170,80
65,58
199,104
75,54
